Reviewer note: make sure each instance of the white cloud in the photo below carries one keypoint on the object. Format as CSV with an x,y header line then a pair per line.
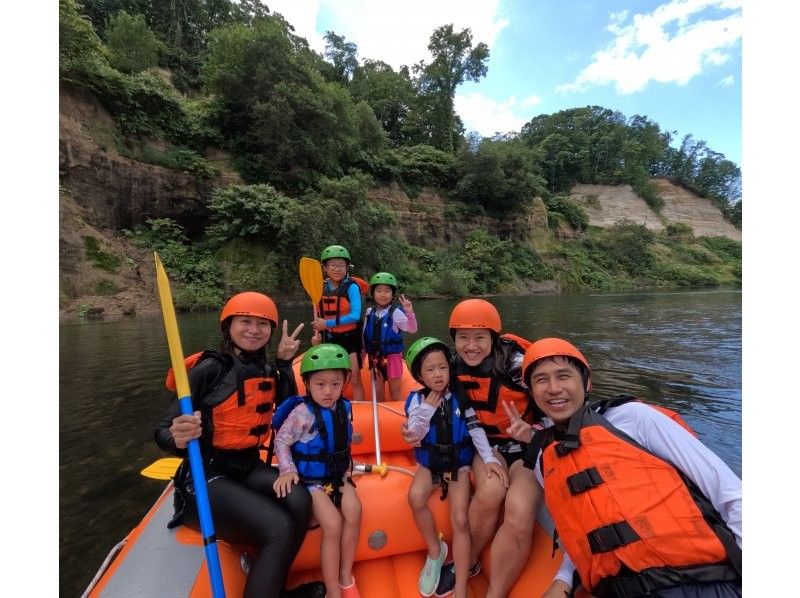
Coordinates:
x,y
488,116
394,32
643,49
727,81
302,16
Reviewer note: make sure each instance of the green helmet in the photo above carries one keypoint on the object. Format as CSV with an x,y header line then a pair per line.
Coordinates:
x,y
332,251
382,278
327,356
419,347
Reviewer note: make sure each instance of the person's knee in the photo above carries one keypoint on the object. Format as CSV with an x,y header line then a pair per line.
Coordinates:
x,y
352,511
277,529
459,519
332,526
489,495
417,500
518,518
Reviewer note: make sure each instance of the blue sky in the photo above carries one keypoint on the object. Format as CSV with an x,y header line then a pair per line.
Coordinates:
x,y
677,62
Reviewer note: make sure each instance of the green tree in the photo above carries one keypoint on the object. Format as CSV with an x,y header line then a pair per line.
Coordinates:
x,y
389,94
134,47
455,60
282,119
342,57
501,175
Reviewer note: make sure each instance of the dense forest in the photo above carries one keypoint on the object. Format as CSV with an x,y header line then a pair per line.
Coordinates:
x,y
309,133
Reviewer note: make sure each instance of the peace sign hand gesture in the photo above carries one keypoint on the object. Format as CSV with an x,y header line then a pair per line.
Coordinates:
x,y
289,343
406,304
518,429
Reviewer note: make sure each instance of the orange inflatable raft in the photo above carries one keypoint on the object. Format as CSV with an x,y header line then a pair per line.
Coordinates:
x,y
155,561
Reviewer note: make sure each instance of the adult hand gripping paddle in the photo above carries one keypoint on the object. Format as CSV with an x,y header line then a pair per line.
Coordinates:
x,y
195,459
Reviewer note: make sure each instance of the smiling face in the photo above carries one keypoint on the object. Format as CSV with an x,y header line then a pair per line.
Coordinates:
x,y
473,345
435,371
325,386
382,295
250,333
336,268
557,388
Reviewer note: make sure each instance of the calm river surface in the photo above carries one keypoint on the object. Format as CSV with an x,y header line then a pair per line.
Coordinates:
x,y
679,349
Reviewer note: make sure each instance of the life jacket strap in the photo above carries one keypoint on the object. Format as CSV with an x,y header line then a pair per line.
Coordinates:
x,y
265,385
264,407
626,587
259,430
584,480
611,537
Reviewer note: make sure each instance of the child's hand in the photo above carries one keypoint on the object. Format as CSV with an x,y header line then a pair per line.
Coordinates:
x,y
319,324
316,339
434,399
406,304
406,436
283,485
498,470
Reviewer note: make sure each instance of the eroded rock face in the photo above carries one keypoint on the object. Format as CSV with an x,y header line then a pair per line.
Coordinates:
x,y
118,192
605,205
425,220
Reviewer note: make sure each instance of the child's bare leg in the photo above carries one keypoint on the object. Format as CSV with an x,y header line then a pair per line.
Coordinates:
x,y
331,524
418,494
396,389
351,526
458,495
378,381
355,379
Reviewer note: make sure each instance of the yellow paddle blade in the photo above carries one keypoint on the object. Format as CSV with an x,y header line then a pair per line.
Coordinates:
x,y
163,469
311,277
171,327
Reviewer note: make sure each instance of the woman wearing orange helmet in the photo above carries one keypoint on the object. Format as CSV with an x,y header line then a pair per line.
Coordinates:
x,y
233,390
488,368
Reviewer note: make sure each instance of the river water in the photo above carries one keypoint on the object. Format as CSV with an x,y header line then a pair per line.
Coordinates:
x,y
679,349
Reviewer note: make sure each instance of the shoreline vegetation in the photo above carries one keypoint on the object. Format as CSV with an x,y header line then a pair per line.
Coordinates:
x,y
310,135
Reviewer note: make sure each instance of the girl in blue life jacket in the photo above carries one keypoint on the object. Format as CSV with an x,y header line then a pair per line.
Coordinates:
x,y
384,324
312,444
448,433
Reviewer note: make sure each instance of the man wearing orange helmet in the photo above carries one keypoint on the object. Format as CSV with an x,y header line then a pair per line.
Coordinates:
x,y
641,506
233,391
488,370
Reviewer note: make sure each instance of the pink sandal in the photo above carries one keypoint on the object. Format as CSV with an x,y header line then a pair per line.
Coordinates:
x,y
350,591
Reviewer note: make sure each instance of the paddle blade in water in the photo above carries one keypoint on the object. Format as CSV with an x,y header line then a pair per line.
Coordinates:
x,y
311,277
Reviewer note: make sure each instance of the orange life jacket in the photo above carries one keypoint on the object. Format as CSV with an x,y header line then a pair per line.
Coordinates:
x,y
630,521
240,404
337,305
486,393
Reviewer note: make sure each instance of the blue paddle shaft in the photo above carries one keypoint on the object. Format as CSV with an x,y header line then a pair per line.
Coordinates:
x,y
204,508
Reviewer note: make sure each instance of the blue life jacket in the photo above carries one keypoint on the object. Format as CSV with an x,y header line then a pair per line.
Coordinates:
x,y
448,445
326,457
380,337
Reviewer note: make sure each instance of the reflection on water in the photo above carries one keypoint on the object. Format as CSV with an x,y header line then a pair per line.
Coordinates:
x,y
678,349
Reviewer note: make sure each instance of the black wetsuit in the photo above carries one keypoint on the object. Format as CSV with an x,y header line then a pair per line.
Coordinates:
x,y
244,506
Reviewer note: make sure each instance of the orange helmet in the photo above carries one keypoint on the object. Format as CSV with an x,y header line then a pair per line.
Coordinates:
x,y
475,313
250,303
554,347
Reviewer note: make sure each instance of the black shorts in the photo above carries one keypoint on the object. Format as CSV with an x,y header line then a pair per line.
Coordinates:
x,y
350,341
511,450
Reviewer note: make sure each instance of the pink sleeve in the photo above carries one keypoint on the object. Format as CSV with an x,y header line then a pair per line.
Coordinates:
x,y
297,423
405,321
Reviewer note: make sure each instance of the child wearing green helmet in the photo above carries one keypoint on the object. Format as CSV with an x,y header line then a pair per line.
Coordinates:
x,y
448,434
339,319
312,444
384,324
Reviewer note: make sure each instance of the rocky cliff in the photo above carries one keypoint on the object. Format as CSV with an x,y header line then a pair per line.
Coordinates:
x,y
605,205
103,192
